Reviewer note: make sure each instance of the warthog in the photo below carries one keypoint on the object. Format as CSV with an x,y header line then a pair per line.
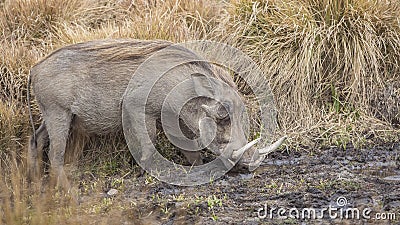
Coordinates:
x,y
83,85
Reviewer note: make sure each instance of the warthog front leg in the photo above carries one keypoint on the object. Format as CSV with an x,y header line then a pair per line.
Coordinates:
x,y
152,132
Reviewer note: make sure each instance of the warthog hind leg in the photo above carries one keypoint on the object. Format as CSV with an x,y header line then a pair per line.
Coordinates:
x,y
35,150
58,122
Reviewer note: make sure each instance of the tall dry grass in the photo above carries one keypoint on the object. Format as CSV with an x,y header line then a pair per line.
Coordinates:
x,y
326,61
29,30
333,67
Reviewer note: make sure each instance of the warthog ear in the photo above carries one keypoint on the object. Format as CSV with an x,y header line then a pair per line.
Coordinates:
x,y
202,85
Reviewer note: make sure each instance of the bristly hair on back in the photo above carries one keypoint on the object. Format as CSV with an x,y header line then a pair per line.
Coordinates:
x,y
121,49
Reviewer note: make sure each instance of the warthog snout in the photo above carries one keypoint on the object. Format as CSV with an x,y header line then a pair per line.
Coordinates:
x,y
254,158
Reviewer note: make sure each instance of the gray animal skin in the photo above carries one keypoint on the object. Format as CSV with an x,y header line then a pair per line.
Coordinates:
x,y
82,85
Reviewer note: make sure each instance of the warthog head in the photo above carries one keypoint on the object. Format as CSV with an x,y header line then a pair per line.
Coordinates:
x,y
222,121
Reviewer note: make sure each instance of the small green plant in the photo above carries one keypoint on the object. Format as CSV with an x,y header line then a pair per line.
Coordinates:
x,y
179,198
326,184
214,217
149,179
274,186
165,209
212,202
117,182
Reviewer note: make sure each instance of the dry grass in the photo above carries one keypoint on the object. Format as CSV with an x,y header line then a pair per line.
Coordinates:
x,y
325,60
31,29
333,67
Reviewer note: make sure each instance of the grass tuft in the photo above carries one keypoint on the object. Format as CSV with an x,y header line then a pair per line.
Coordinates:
x,y
325,59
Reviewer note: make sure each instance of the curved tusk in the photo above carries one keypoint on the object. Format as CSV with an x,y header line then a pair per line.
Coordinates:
x,y
240,151
273,147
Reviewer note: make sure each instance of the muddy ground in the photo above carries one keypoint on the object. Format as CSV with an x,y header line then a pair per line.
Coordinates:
x,y
345,180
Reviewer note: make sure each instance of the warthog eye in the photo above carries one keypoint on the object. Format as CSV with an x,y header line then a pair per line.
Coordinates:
x,y
223,111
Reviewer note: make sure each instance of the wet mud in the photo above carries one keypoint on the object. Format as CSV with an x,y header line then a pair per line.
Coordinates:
x,y
324,186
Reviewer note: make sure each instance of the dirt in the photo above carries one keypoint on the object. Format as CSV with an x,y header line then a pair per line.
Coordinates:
x,y
344,180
